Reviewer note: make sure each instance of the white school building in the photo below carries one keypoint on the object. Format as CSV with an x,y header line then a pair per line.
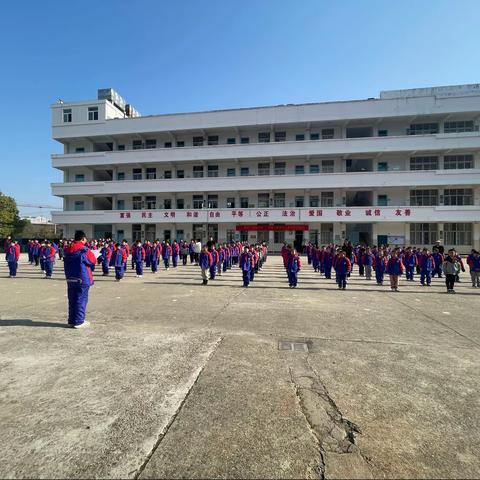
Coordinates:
x,y
402,169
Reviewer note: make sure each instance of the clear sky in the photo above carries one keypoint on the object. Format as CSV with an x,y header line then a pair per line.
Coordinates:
x,y
185,55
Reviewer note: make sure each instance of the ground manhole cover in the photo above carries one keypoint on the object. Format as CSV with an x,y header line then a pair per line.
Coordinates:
x,y
292,346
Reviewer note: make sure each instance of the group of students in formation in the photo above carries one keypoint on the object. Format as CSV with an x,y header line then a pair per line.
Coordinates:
x,y
383,261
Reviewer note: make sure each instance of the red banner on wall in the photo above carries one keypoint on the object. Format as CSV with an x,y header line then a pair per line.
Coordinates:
x,y
271,228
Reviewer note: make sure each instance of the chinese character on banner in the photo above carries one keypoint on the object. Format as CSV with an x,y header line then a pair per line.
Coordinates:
x,y
259,214
377,212
240,213
292,213
339,213
122,215
407,212
195,214
348,213
368,213
234,213
144,214
217,214
319,213
398,213
150,215
265,213
172,214
211,214
127,214
284,213
189,214
311,213
165,214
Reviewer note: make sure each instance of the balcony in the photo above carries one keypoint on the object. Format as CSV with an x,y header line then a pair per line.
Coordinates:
x,y
319,181
326,148
274,215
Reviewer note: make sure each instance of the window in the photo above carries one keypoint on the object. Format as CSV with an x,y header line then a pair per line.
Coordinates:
x,y
299,169
137,144
458,196
180,173
422,129
299,202
79,177
457,162
137,173
423,163
314,136
423,198
263,200
299,137
231,141
230,202
231,172
212,171
279,200
326,199
67,115
137,203
244,202
121,147
314,201
279,168
457,233
120,176
167,145
197,141
180,203
264,169
198,171
92,113
79,205
314,169
167,204
212,140
383,133
328,133
244,172
280,136
423,233
181,143
245,140
382,200
120,204
279,237
458,127
151,173
382,166
358,132
198,201
213,201
150,143
263,137
328,166
167,174
151,202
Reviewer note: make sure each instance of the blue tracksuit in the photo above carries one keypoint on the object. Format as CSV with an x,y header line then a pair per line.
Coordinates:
x,y
293,267
410,261
213,266
246,266
427,266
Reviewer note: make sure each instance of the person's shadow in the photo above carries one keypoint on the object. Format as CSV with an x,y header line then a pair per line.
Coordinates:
x,y
14,322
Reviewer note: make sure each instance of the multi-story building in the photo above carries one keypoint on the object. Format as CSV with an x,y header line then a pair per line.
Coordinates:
x,y
403,168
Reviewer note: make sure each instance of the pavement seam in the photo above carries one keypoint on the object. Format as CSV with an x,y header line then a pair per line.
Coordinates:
x,y
165,430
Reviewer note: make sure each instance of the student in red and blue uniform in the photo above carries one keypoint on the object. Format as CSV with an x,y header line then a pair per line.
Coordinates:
x,y
410,262
459,259
147,246
427,267
395,268
166,254
213,266
380,265
473,261
119,261
125,246
439,259
175,253
36,252
368,259
138,256
245,263
30,251
254,268
327,260
156,255
205,262
12,254
79,263
343,266
294,266
48,257
106,253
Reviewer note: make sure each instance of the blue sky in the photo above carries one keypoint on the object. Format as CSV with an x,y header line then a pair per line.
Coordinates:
x,y
172,56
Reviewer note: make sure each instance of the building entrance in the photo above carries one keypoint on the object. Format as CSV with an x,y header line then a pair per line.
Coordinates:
x,y
359,233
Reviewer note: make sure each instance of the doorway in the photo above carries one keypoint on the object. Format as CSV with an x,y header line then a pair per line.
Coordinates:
x,y
359,233
298,243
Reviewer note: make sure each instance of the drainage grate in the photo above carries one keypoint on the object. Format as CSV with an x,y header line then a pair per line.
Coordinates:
x,y
293,346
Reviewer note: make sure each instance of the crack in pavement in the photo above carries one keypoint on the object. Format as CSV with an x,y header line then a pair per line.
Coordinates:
x,y
338,452
137,473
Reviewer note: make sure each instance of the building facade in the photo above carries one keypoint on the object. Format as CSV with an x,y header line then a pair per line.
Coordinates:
x,y
402,169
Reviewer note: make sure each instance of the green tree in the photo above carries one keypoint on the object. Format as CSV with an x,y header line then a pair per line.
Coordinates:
x,y
10,222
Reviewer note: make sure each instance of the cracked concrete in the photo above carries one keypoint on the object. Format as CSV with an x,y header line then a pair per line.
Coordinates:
x,y
388,389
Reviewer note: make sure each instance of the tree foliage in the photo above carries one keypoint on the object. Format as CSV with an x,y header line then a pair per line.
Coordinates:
x,y
10,222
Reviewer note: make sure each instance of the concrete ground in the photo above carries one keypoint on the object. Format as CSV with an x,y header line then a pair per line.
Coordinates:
x,y
177,380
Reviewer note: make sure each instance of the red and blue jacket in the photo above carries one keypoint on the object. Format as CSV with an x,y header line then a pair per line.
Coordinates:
x,y
395,266
12,253
79,263
205,260
342,265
